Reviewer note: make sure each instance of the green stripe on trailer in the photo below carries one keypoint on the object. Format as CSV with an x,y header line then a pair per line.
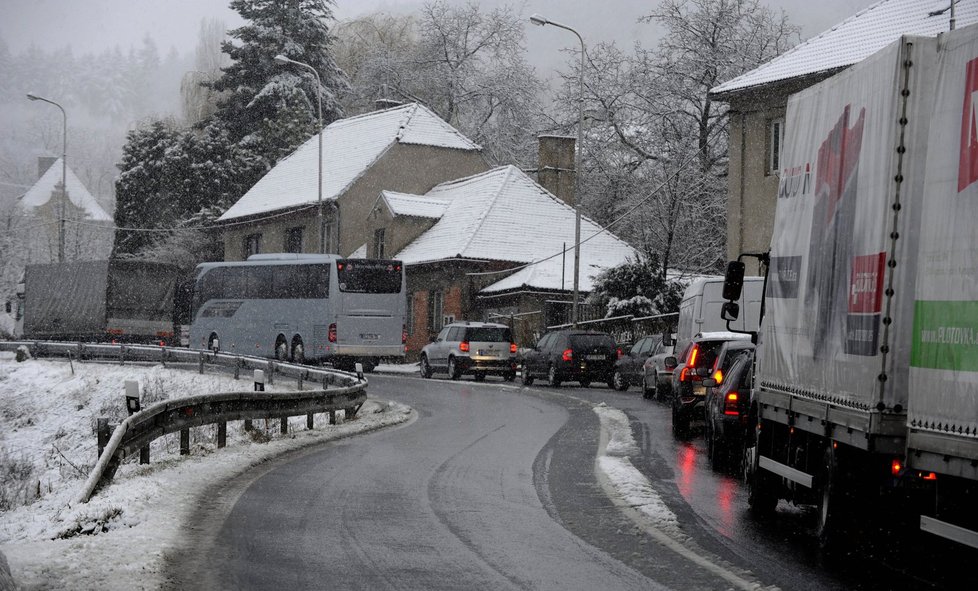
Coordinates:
x,y
945,335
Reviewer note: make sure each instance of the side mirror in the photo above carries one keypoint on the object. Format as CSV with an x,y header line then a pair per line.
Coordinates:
x,y
733,281
730,311
670,362
709,382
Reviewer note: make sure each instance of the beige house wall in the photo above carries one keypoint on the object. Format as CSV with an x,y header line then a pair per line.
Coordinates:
x,y
403,168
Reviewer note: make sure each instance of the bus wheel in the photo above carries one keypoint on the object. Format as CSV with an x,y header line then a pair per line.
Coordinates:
x,y
281,350
298,353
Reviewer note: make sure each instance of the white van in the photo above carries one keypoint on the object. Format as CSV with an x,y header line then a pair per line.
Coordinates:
x,y
700,308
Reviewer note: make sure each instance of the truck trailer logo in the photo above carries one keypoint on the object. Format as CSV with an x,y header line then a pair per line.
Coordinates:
x,y
968,163
865,304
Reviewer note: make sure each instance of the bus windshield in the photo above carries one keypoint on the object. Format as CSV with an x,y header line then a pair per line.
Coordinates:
x,y
369,276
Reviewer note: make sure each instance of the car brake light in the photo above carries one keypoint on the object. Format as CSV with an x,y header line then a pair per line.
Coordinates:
x,y
683,374
692,356
730,404
403,334
512,347
618,352
568,355
463,346
332,333
896,466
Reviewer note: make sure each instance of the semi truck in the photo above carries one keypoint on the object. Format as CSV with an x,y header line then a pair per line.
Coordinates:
x,y
126,300
865,400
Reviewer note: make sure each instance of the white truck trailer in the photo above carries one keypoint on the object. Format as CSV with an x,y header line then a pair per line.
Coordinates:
x,y
866,388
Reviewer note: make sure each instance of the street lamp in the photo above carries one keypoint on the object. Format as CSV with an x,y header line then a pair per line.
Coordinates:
x,y
540,21
281,59
64,171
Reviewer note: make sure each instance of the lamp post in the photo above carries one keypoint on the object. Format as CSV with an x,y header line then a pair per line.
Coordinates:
x,y
539,20
281,59
64,172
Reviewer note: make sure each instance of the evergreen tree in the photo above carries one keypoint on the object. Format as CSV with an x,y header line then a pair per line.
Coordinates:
x,y
272,108
639,288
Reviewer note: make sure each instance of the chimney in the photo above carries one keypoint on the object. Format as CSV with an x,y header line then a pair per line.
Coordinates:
x,y
43,164
555,172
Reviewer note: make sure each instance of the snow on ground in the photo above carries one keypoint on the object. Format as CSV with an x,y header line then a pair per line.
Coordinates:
x,y
632,486
120,538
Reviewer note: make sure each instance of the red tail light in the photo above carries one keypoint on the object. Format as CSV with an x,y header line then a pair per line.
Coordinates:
x,y
692,356
683,374
896,466
568,355
730,404
403,334
512,347
463,346
619,352
332,333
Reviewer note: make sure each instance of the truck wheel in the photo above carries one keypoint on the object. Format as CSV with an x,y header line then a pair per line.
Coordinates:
x,y
454,371
425,367
525,376
618,381
832,504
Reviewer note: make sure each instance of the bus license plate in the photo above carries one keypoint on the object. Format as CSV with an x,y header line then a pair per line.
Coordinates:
x,y
369,336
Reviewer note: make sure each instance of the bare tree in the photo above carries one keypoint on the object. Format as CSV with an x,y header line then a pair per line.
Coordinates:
x,y
199,100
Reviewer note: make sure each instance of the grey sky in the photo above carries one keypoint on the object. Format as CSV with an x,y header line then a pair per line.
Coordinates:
x,y
93,25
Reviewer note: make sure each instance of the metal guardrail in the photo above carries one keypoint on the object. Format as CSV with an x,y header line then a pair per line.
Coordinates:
x,y
338,391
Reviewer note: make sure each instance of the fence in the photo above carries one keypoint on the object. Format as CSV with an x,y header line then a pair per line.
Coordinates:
x,y
338,391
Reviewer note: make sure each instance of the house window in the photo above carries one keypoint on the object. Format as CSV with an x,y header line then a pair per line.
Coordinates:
x,y
252,245
379,243
775,144
436,304
293,240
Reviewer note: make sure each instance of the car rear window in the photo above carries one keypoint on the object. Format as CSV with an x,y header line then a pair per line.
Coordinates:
x,y
589,341
707,354
489,334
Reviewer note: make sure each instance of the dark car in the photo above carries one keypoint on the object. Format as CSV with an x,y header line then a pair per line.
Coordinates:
x,y
571,355
693,364
630,366
727,404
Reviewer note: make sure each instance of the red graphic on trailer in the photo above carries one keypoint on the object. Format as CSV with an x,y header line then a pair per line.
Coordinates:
x,y
968,163
866,284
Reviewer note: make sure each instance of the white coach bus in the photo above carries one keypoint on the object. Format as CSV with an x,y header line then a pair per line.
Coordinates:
x,y
302,307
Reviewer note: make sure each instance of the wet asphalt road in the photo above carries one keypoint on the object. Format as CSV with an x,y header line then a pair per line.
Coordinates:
x,y
493,487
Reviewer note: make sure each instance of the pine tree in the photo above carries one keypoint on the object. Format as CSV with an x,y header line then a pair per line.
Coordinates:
x,y
272,108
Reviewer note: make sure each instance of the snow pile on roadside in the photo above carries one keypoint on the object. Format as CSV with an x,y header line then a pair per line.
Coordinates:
x,y
120,538
630,484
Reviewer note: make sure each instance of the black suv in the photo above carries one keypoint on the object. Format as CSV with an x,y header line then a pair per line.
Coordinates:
x,y
571,354
699,360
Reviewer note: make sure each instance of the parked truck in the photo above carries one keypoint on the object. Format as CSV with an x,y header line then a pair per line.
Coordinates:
x,y
865,398
103,301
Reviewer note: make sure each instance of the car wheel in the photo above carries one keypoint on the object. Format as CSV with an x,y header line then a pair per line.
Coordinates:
x,y
680,423
584,382
425,367
525,376
619,382
646,392
509,376
480,376
714,446
553,380
454,371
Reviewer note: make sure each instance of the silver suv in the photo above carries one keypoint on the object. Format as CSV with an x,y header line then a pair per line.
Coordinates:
x,y
477,348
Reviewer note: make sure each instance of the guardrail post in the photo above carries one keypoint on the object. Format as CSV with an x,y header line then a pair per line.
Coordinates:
x,y
332,417
299,380
222,434
185,442
237,368
201,362
271,372
309,421
103,433
122,354
284,426
163,355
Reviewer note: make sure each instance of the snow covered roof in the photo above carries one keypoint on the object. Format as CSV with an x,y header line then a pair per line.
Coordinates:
x,y
856,38
41,192
414,205
504,215
350,146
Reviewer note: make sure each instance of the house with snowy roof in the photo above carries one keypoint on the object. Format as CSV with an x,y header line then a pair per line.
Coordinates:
x,y
406,148
39,213
494,246
758,100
